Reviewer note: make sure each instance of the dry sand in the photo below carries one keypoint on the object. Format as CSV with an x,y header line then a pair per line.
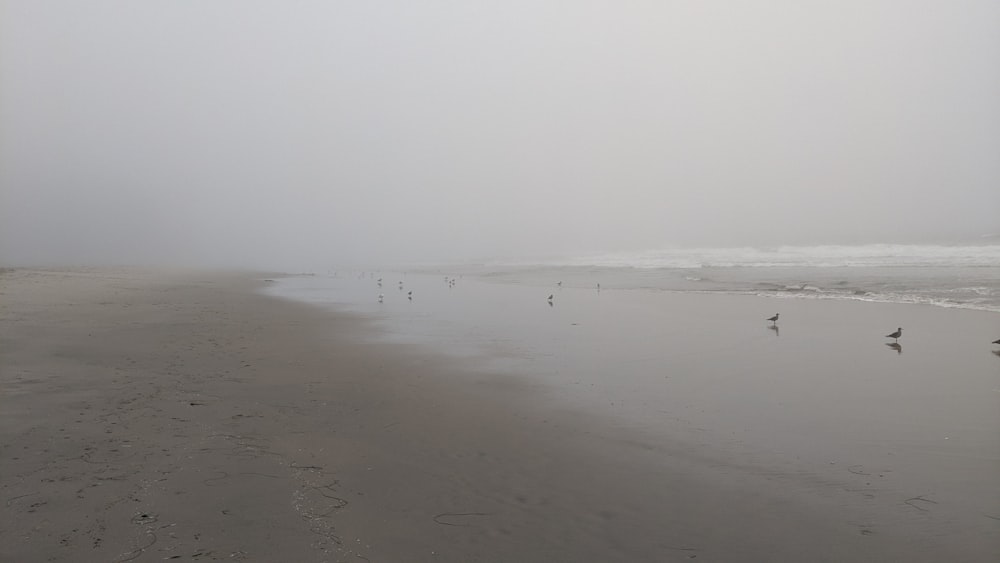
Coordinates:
x,y
151,417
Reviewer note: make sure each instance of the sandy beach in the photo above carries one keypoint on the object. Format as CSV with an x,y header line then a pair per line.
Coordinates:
x,y
150,416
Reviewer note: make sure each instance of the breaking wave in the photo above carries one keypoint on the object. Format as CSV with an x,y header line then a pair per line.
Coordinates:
x,y
824,256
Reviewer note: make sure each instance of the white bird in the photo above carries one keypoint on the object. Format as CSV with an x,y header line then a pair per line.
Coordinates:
x,y
895,335
774,319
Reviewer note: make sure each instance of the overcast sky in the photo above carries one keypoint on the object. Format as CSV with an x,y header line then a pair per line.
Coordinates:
x,y
273,134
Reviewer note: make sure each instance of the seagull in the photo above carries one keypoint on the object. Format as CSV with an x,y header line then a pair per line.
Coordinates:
x,y
895,335
774,319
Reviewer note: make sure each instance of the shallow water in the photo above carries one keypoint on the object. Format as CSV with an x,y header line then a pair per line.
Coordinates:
x,y
821,395
710,359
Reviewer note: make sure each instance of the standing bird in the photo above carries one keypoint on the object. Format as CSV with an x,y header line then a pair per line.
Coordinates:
x,y
774,319
895,336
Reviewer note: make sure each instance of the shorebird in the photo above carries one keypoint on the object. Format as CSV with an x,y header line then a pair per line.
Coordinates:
x,y
895,335
380,297
551,295
774,319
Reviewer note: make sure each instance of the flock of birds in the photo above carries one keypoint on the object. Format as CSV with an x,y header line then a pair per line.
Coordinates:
x,y
409,294
773,320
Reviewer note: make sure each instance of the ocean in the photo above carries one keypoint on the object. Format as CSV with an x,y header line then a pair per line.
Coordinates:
x,y
966,277
495,308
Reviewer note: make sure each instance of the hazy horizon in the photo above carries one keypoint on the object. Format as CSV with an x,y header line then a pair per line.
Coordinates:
x,y
267,135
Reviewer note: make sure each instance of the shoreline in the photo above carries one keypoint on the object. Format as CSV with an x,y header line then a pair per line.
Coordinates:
x,y
146,418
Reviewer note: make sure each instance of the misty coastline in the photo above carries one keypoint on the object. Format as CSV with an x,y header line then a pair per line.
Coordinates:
x,y
499,281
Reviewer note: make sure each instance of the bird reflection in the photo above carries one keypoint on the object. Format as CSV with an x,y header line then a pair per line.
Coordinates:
x,y
996,353
895,346
775,329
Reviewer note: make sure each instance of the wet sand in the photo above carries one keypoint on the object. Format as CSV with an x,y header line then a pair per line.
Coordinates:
x,y
153,416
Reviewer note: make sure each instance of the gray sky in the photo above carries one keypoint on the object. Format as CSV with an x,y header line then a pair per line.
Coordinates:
x,y
274,134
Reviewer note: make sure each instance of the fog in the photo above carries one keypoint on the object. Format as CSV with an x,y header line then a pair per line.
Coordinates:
x,y
304,134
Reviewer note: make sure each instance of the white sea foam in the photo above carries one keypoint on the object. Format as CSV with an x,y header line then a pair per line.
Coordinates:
x,y
888,297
